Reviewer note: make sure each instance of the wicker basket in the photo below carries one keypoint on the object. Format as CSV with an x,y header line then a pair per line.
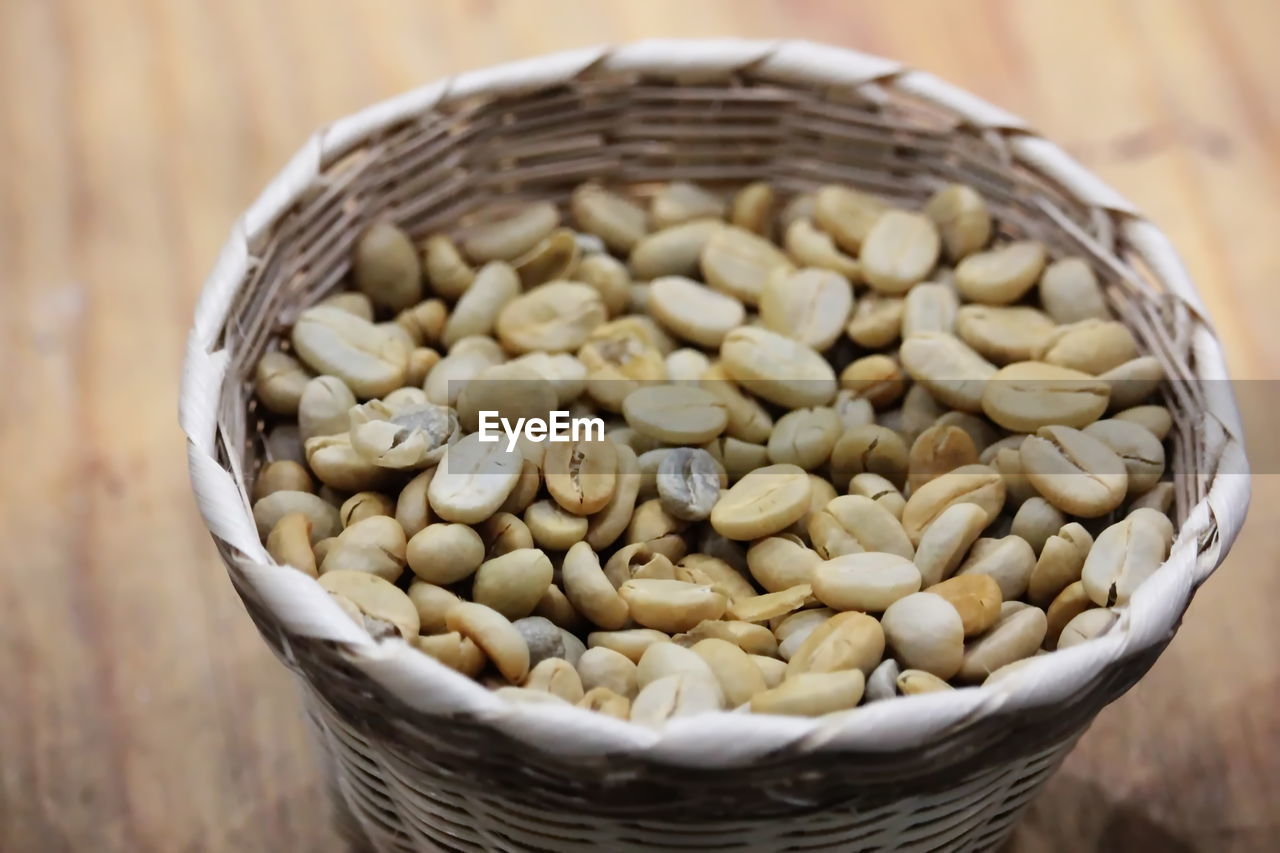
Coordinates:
x,y
423,758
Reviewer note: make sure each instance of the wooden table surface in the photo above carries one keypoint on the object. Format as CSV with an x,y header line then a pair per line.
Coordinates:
x,y
139,711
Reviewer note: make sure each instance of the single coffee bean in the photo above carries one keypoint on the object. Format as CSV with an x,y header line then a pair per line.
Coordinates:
x,y
694,312
853,523
1074,471
432,603
341,466
953,373
976,597
882,683
676,696
1154,418
847,215
864,582
1008,560
385,611
632,642
554,257
445,553
665,659
513,583
467,359
1003,334
1087,625
677,250
279,382
424,322
762,503
929,308
962,219
473,479
814,248
609,277
454,651
1090,346
477,310
681,201
879,490
620,222
675,414
1141,452
351,302
937,450
370,361
1134,381
876,321
670,605
590,591
751,638
977,484
1066,605
870,449
761,608
283,475
1126,554
913,682
554,317
1070,292
1014,636
513,235
812,694
602,700
1037,520
289,543
603,667
557,677
323,515
1001,275
947,539
688,483
581,475
877,378
780,562
925,632
385,267
810,305
899,251
553,527
752,207
494,634
804,437
686,366
503,533
449,273
1059,564
739,678
845,641
782,371
738,262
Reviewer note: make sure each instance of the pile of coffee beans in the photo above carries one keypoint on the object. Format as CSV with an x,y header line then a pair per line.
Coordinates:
x,y
718,450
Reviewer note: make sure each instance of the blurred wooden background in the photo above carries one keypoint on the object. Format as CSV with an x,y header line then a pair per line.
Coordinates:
x,y
138,709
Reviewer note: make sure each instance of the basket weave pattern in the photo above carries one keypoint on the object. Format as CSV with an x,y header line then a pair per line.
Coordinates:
x,y
425,759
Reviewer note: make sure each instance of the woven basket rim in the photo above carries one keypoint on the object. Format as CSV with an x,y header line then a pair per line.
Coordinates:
x,y
726,738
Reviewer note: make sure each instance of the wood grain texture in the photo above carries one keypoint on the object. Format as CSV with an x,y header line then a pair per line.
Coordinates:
x,y
141,712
